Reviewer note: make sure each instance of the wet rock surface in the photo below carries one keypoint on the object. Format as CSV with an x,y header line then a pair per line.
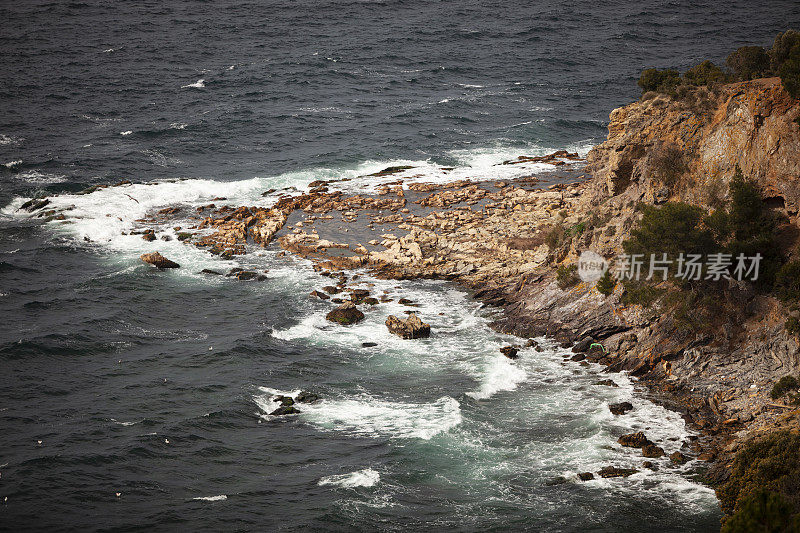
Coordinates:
x,y
409,328
158,260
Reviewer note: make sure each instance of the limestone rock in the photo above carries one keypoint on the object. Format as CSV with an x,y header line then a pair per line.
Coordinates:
x,y
158,260
410,328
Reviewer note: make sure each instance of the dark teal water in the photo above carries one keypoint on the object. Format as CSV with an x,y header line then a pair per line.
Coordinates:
x,y
157,385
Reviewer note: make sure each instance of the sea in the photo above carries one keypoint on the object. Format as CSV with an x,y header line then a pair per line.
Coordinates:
x,y
133,399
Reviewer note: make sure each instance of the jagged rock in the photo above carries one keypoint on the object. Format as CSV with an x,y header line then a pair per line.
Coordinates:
x,y
410,328
158,260
578,357
370,301
320,295
248,275
284,400
583,345
634,440
346,314
358,295
210,272
331,289
307,397
150,236
405,301
678,458
585,476
649,465
611,471
652,451
368,344
620,408
510,351
607,383
285,410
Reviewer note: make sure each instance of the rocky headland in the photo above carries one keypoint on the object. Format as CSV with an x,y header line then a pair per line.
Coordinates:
x,y
513,243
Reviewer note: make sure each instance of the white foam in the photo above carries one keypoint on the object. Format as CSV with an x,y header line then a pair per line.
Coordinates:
x,y
367,416
34,176
5,140
12,164
126,132
177,126
199,84
500,375
219,498
360,478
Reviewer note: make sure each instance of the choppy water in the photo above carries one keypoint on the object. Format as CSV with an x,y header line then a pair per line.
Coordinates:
x,y
157,385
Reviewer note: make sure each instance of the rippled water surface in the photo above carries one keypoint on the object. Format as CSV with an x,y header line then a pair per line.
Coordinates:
x,y
135,399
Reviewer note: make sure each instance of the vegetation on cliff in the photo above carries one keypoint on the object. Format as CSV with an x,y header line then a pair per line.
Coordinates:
x,y
745,63
763,491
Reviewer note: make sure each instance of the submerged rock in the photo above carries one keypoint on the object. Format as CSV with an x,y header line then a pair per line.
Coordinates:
x,y
634,440
585,476
285,410
620,408
410,328
210,272
284,400
612,471
346,314
607,383
158,260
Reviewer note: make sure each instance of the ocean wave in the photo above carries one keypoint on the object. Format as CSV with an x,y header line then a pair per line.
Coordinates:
x,y
36,177
13,164
218,498
360,478
367,416
199,84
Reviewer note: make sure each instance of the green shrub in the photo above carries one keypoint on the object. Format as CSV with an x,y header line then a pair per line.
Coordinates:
x,y
769,463
784,385
749,62
761,511
661,81
706,73
640,293
787,282
790,73
567,276
672,228
782,48
606,283
577,229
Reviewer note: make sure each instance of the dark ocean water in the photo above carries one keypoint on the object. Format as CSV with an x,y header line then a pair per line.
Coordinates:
x,y
118,379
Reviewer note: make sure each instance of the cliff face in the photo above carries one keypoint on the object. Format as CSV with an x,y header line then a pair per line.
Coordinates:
x,y
749,125
661,150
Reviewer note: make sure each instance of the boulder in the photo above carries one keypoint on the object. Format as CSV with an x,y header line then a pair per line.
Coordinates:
x,y
346,314
284,400
210,272
611,471
652,451
620,408
649,465
307,397
158,260
510,351
358,295
585,476
330,289
607,383
678,458
320,295
634,440
370,301
410,328
285,410
583,345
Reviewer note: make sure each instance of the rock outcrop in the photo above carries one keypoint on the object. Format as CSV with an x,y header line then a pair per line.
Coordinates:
x,y
409,328
346,314
158,260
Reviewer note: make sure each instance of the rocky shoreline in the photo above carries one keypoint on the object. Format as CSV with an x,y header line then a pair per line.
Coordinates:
x,y
510,243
